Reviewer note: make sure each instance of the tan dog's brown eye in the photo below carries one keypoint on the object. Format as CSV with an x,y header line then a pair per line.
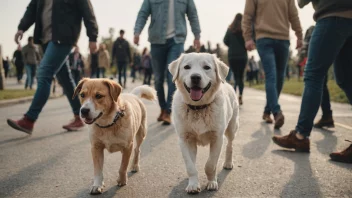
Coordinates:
x,y
82,95
98,96
206,67
187,67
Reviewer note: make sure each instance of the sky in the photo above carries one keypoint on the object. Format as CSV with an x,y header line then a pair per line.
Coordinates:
x,y
121,14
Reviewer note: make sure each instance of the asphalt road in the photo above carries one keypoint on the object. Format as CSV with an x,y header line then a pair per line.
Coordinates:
x,y
56,163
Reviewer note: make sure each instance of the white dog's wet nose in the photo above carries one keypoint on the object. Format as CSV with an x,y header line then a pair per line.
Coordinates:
x,y
195,79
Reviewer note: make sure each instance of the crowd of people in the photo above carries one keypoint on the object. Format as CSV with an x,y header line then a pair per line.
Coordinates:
x,y
264,25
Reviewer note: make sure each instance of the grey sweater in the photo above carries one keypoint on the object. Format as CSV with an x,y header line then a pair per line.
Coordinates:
x,y
31,55
326,7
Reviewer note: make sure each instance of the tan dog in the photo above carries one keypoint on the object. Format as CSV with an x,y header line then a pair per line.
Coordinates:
x,y
205,109
114,122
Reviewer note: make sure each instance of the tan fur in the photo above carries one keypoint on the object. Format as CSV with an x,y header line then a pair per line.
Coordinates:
x,y
206,126
120,136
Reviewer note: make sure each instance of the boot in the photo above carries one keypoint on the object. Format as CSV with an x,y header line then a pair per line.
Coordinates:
x,y
290,141
325,121
344,156
279,120
24,124
240,100
75,124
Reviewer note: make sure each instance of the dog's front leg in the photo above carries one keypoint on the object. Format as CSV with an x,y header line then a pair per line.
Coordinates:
x,y
210,166
189,153
126,154
98,162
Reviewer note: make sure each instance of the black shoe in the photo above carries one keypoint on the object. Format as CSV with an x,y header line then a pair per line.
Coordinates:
x,y
325,121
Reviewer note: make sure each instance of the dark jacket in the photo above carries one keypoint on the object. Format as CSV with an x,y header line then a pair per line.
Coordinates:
x,y
324,7
235,43
17,56
121,51
80,63
66,20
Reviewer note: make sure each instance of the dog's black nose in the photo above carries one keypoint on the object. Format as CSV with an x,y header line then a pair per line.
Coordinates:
x,y
195,78
85,111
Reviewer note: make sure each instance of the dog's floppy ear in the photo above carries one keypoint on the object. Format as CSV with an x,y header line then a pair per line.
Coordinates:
x,y
174,67
79,87
114,88
221,69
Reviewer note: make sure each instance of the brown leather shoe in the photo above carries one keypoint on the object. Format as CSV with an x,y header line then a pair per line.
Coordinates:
x,y
24,124
279,120
167,119
290,141
162,113
325,121
75,124
344,156
267,118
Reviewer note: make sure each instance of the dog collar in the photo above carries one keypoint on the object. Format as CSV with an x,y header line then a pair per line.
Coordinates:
x,y
196,108
118,115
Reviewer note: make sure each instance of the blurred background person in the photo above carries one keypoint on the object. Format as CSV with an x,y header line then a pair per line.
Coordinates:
x,y
76,65
31,59
103,60
136,65
93,64
18,61
6,66
237,54
121,53
147,66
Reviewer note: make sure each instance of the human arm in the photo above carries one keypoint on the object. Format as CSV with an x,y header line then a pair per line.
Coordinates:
x,y
227,38
86,9
192,16
295,23
142,18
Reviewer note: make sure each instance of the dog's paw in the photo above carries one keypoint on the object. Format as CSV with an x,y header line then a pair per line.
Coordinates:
x,y
212,185
228,165
193,188
135,168
96,190
121,182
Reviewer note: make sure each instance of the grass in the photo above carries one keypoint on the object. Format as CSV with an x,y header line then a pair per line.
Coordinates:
x,y
15,93
295,87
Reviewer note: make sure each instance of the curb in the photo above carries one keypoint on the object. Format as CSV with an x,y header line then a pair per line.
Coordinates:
x,y
11,102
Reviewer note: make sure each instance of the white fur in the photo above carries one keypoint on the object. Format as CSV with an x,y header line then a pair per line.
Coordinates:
x,y
206,126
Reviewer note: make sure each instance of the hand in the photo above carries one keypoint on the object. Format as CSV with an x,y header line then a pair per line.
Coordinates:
x,y
250,45
196,43
299,44
93,47
136,39
18,36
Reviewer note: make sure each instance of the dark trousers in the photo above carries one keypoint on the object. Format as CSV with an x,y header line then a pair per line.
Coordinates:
x,y
147,76
325,100
101,73
238,66
76,75
19,71
122,66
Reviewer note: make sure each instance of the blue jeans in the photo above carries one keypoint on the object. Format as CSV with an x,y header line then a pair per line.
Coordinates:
x,y
122,66
331,43
30,68
325,103
274,56
162,56
53,64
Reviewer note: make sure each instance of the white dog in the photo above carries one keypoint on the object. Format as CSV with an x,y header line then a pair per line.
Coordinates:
x,y
205,108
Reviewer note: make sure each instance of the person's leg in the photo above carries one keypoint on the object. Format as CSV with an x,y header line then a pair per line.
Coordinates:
x,y
53,59
325,103
28,75
125,74
174,52
266,50
120,68
234,67
103,71
328,38
343,68
242,66
281,58
159,62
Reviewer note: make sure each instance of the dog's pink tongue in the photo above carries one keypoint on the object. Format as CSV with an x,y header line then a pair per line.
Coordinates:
x,y
196,94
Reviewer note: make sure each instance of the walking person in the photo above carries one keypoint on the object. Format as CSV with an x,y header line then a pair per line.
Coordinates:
x,y
330,44
136,66
6,66
53,19
18,60
167,34
31,59
237,53
147,66
254,69
272,21
76,64
103,60
122,55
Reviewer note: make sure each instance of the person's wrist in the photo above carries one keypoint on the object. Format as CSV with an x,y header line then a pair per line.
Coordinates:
x,y
93,39
197,37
